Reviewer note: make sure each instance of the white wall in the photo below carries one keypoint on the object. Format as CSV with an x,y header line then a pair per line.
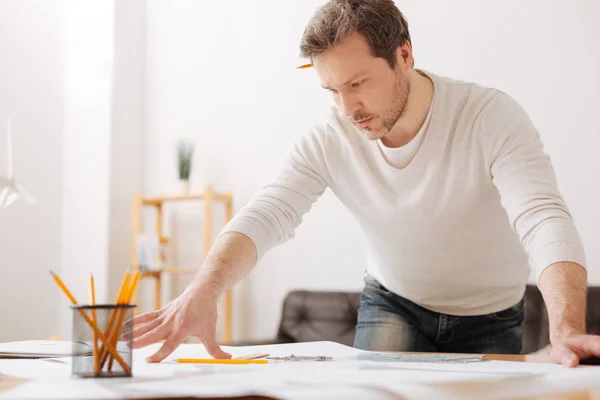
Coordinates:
x,y
31,91
226,77
72,80
128,120
103,144
87,146
548,58
223,73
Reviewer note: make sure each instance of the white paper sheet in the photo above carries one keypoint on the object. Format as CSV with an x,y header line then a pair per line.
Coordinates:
x,y
330,349
422,358
34,369
339,378
36,349
343,371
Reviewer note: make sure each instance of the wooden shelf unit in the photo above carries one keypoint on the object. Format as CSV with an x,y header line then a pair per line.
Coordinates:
x,y
209,197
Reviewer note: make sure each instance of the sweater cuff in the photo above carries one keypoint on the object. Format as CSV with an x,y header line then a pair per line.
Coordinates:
x,y
253,231
558,252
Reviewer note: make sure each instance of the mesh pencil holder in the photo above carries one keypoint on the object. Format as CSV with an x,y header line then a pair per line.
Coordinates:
x,y
101,342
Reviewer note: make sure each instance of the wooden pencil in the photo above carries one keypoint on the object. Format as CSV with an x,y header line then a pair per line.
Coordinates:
x,y
94,318
113,315
121,313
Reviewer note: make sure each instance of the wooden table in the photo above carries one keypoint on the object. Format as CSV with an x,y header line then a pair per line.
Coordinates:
x,y
480,388
8,382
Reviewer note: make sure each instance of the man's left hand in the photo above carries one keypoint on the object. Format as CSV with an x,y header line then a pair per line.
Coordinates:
x,y
573,349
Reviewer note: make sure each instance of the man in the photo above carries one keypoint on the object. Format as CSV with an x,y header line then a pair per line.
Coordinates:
x,y
450,184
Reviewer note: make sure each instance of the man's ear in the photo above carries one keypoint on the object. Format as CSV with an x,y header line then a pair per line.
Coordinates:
x,y
404,56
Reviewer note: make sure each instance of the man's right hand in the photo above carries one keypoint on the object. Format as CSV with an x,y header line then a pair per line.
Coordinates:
x,y
193,313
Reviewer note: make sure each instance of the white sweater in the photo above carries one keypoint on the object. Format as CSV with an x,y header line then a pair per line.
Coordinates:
x,y
457,229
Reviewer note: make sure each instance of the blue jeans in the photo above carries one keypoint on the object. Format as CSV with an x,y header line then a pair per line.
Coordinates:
x,y
388,322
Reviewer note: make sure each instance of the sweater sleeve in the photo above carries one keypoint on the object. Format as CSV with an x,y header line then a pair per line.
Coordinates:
x,y
526,181
272,215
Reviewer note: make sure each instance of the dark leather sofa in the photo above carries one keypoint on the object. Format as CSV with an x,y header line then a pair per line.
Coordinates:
x,y
317,315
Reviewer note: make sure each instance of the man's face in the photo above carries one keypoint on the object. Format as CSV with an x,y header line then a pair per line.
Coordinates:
x,y
365,88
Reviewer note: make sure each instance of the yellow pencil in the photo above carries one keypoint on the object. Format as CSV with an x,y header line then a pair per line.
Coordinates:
x,y
91,323
93,303
64,288
126,299
133,286
219,361
304,66
111,319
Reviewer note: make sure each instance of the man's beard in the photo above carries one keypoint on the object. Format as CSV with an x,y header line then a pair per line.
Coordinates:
x,y
395,110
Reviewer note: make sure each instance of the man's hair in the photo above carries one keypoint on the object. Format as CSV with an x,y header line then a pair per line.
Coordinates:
x,y
379,21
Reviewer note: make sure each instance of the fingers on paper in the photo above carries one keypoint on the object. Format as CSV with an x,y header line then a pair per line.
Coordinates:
x,y
213,348
592,345
587,346
168,347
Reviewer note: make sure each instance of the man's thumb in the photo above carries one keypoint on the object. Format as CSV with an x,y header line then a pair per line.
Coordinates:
x,y
561,354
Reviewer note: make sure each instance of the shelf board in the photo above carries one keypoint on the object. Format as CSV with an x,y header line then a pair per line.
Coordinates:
x,y
150,274
158,200
181,270
153,201
174,270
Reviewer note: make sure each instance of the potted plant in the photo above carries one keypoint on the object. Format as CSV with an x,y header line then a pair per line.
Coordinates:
x,y
185,151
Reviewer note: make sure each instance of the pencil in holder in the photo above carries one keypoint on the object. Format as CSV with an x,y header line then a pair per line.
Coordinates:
x,y
101,342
